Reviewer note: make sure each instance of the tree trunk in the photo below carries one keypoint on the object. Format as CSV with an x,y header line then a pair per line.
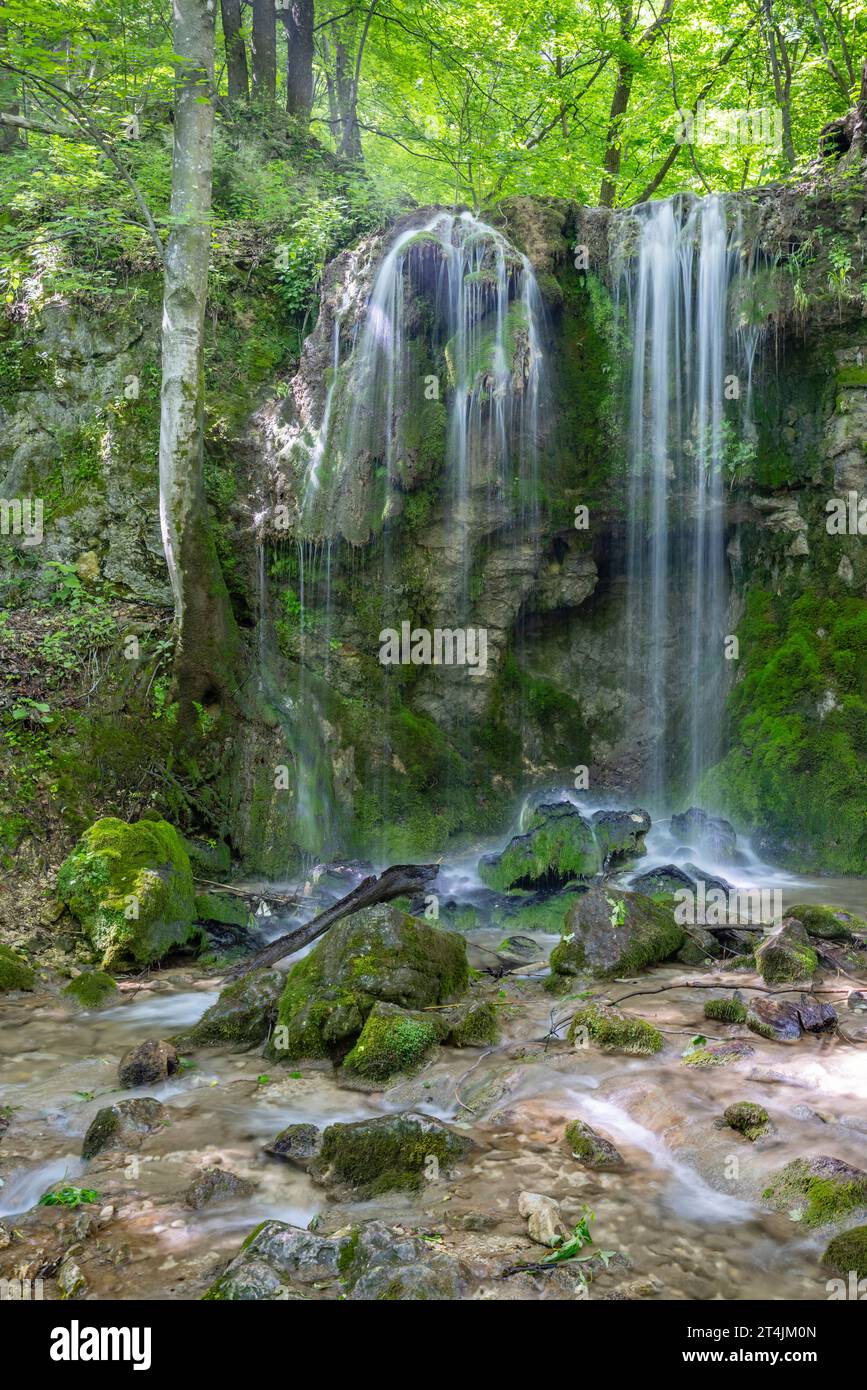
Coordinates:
x,y
10,137
206,637
236,51
264,46
298,19
613,144
350,136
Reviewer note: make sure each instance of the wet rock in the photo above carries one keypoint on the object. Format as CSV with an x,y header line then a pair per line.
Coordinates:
x,y
215,1185
296,1143
15,973
668,878
392,1041
71,1282
92,989
611,933
394,1152
613,1030
544,1224
827,923
558,847
750,1120
242,1016
700,947
848,1252
815,1016
710,881
147,1064
620,835
378,954
590,1148
819,1189
785,954
729,1009
116,1125
115,866
709,833
224,909
474,1024
367,1263
775,1019
720,1054
856,1000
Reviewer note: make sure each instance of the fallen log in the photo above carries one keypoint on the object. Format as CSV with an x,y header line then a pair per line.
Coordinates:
x,y
395,882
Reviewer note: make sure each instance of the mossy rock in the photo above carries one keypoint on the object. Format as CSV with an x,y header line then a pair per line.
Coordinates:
x,y
131,887
720,1054
242,1016
91,989
473,1025
559,847
610,932
819,1189
396,1152
115,1126
590,1148
380,953
700,946
729,1010
615,1031
786,955
752,1121
620,835
392,1041
848,1252
207,860
827,923
15,973
221,908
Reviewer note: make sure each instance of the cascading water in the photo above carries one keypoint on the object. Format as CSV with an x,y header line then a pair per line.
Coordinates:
x,y
676,290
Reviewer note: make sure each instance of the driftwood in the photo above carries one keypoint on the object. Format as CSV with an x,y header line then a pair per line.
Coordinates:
x,y
392,883
249,895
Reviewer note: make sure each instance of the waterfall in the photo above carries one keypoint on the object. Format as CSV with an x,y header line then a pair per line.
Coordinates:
x,y
676,288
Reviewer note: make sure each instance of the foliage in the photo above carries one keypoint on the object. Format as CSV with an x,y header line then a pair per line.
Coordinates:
x,y
68,1197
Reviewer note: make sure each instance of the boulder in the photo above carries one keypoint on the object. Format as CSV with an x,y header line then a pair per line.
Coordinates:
x,y
785,954
367,1263
147,1064
702,831
215,1185
827,923
115,1126
720,1054
820,1189
242,1016
131,887
609,932
224,909
614,1031
392,1040
590,1148
848,1253
296,1143
558,847
544,1223
620,835
473,1024
380,954
91,989
775,1019
815,1016
15,973
667,878
752,1121
393,1152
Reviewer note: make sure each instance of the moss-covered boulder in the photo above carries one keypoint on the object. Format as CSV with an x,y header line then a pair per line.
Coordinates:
x,y
752,1121
15,973
785,955
620,835
378,954
777,1020
296,1143
730,1009
116,1126
474,1024
590,1148
609,932
131,887
397,1152
848,1252
392,1040
222,908
558,847
613,1030
700,947
827,923
717,1054
91,989
242,1016
819,1190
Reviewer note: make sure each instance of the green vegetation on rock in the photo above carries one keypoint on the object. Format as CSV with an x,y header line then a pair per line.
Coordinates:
x,y
15,973
728,1010
91,988
614,1031
848,1251
395,1152
391,1041
610,932
750,1120
820,1189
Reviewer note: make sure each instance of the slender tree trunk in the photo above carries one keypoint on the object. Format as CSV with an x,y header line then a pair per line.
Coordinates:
x,y
264,48
236,51
781,86
622,93
298,19
350,136
206,638
10,138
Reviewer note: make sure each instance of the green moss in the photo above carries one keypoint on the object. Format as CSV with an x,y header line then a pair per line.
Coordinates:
x,y
559,847
750,1120
474,1025
131,888
390,1042
744,962
615,1031
220,907
242,1015
590,1148
91,988
848,1251
725,1010
394,1153
827,923
720,1054
821,1189
15,973
784,961
611,932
